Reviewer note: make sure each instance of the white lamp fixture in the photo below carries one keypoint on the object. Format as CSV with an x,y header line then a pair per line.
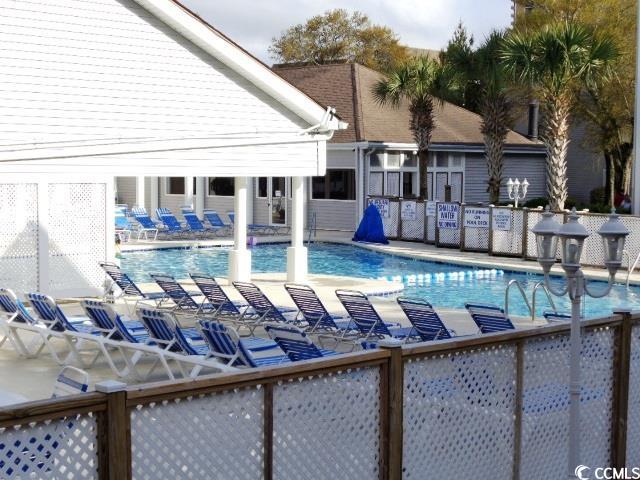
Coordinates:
x,y
572,236
517,191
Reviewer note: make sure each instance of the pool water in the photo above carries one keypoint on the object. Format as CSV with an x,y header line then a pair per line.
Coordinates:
x,y
444,285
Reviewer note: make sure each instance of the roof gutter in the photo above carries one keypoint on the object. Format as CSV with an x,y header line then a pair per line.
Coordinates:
x,y
205,37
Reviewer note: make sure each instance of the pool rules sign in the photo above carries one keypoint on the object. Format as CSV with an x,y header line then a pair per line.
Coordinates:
x,y
448,215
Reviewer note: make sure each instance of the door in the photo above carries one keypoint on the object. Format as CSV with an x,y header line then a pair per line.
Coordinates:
x,y
277,201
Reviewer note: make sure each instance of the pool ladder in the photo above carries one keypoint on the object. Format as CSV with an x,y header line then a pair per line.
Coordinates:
x,y
630,267
531,306
312,228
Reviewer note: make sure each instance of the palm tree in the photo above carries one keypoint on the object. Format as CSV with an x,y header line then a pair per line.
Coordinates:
x,y
557,62
422,82
484,78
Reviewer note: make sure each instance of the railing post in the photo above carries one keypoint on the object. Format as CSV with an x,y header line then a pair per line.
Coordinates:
x,y
399,234
268,431
114,433
490,248
392,444
621,390
525,232
517,430
461,225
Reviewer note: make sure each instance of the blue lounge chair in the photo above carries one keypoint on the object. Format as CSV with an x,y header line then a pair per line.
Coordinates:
x,y
109,323
313,311
226,345
172,225
164,330
123,227
426,322
489,318
221,304
196,226
366,318
295,343
17,319
146,225
260,307
216,222
254,228
183,300
552,316
129,290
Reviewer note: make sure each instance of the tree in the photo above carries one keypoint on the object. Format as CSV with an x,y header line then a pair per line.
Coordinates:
x,y
557,62
337,36
423,83
606,107
484,87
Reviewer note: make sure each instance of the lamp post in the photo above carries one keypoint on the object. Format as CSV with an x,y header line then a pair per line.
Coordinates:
x,y
513,190
572,236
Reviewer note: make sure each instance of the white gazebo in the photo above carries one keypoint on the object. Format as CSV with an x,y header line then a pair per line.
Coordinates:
x,y
134,88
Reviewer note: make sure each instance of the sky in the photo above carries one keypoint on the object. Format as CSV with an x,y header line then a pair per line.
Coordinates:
x,y
418,23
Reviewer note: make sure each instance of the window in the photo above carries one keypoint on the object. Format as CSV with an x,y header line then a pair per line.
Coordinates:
x,y
442,159
410,160
408,182
222,186
393,160
375,160
175,186
337,184
261,187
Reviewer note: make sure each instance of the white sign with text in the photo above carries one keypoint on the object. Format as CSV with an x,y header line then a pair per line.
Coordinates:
x,y
448,215
409,211
501,218
476,217
382,204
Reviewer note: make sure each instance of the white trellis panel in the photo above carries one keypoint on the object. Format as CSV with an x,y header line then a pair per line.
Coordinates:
x,y
19,236
533,217
509,242
55,231
217,435
459,415
545,416
327,427
77,231
62,448
633,419
390,223
475,238
414,229
431,230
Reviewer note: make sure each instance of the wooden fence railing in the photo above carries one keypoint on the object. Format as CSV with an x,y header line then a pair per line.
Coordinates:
x,y
492,406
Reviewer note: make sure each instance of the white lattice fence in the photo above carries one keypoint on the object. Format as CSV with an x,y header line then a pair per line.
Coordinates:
x,y
217,435
391,222
633,416
545,414
475,238
533,217
431,229
327,426
77,232
19,236
414,229
459,414
508,242
61,448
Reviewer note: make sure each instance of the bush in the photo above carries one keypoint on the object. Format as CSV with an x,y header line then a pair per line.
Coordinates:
x,y
537,202
598,196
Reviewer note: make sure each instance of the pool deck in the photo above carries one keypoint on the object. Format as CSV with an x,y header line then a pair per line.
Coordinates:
x,y
34,378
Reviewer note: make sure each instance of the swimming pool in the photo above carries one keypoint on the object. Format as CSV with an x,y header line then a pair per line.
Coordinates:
x,y
444,285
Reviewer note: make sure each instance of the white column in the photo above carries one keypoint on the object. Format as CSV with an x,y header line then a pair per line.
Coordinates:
x,y
635,182
140,192
297,252
240,257
200,196
153,194
188,191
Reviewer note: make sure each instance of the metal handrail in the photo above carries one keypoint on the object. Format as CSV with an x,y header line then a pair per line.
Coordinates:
x,y
544,288
506,296
312,227
631,268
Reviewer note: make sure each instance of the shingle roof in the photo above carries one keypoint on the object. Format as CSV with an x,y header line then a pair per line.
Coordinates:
x,y
348,87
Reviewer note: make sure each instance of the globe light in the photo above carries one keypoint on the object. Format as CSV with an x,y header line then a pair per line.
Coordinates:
x,y
510,187
572,236
525,186
613,234
546,231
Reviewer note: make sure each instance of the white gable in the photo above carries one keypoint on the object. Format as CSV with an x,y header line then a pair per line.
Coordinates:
x,y
84,70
